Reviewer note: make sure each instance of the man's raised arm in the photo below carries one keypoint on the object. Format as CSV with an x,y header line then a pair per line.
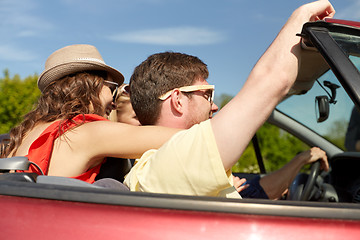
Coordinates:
x,y
269,81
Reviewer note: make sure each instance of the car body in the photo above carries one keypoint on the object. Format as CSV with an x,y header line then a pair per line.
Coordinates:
x,y
34,209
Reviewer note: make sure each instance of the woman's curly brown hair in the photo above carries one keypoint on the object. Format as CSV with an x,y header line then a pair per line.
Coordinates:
x,y
62,100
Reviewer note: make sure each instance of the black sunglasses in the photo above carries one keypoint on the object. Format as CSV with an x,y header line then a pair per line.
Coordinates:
x,y
125,90
113,88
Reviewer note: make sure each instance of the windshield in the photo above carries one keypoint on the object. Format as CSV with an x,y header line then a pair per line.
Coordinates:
x,y
302,107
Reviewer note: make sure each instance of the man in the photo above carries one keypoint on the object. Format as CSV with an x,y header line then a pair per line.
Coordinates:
x,y
170,89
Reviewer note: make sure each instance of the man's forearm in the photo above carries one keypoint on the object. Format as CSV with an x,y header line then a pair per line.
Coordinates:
x,y
275,183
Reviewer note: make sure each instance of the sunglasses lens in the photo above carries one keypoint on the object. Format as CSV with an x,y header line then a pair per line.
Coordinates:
x,y
115,94
127,89
113,88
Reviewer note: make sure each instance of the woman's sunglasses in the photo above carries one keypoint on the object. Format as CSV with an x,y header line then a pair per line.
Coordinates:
x,y
125,90
113,88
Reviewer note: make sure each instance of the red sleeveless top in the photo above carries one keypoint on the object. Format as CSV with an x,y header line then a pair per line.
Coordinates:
x,y
41,149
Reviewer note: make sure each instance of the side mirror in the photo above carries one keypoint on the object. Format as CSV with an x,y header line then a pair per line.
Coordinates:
x,y
322,108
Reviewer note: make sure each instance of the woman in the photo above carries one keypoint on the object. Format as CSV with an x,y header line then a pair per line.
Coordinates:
x,y
123,109
67,134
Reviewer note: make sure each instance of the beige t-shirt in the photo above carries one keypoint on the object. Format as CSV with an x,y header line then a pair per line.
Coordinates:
x,y
189,164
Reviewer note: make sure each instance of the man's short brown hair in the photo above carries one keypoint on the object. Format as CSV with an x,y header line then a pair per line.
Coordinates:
x,y
158,74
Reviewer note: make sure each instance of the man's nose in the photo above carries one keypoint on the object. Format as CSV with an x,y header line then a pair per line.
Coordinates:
x,y
214,108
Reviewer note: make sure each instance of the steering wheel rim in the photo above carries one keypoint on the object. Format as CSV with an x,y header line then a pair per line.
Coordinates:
x,y
310,183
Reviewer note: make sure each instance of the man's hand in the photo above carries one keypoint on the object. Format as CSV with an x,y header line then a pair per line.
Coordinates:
x,y
318,10
312,155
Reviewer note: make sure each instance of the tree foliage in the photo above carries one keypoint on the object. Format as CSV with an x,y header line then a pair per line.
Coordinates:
x,y
277,146
17,97
336,134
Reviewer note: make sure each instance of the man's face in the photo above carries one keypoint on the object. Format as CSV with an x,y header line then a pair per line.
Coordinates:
x,y
199,108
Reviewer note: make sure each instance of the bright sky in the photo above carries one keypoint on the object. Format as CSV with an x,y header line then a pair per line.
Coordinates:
x,y
228,35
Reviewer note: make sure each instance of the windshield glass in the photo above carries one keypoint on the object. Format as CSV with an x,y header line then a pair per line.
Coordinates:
x,y
302,107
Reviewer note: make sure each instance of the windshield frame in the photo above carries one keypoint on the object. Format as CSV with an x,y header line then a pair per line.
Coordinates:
x,y
318,35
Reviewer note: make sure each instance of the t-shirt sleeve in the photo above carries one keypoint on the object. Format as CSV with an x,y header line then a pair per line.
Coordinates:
x,y
189,163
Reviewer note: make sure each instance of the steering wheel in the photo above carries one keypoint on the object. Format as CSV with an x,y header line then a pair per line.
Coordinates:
x,y
310,183
302,186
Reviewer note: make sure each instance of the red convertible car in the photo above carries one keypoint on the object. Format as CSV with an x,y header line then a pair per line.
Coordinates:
x,y
319,205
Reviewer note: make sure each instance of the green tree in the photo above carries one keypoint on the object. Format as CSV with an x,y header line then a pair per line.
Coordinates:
x,y
224,99
278,146
336,133
17,97
247,162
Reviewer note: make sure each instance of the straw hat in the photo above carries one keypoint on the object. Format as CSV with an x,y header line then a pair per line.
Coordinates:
x,y
72,59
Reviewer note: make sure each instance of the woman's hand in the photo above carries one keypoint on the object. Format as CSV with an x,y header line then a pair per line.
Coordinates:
x,y
240,183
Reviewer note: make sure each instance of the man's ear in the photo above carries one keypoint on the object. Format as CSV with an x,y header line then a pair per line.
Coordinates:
x,y
176,99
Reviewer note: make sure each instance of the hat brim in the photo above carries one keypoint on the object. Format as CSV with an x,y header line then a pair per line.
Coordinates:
x,y
64,69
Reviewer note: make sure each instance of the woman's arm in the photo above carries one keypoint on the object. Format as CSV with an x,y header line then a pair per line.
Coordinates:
x,y
112,139
88,145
